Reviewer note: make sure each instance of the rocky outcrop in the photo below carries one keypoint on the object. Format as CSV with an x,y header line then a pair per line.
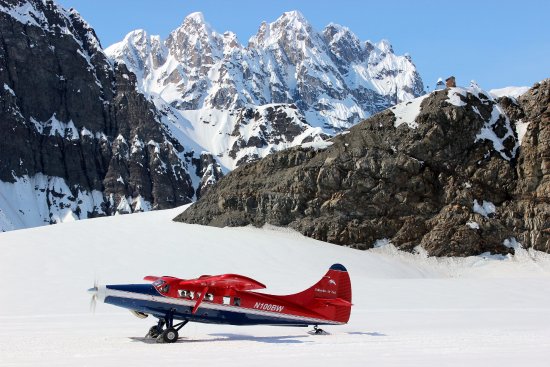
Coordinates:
x,y
530,211
444,171
78,140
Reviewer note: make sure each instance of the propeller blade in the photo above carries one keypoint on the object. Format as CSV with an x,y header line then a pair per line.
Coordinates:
x,y
93,302
93,291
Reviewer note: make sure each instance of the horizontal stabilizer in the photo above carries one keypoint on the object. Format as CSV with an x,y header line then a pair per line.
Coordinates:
x,y
334,302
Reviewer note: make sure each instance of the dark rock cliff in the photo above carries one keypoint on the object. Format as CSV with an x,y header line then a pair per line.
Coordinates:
x,y
74,128
454,181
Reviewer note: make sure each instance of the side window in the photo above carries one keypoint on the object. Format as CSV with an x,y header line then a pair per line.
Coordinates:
x,y
226,300
237,301
209,297
184,293
191,294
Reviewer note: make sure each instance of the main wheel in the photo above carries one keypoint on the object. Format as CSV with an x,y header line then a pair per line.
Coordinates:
x,y
169,335
154,332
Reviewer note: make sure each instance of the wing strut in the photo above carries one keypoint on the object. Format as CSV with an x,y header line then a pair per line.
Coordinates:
x,y
199,301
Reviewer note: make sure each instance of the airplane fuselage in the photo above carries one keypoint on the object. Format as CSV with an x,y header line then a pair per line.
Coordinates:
x,y
237,308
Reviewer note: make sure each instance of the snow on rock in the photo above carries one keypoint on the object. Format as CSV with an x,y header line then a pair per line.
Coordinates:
x,y
488,132
381,243
406,112
457,96
472,224
241,135
486,208
513,243
454,95
141,205
25,12
123,206
521,128
40,200
54,127
9,90
318,144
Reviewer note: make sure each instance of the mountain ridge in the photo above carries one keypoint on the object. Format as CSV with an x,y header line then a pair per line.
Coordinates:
x,y
333,79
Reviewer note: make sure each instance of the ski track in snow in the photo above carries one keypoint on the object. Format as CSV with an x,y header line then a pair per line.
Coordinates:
x,y
408,309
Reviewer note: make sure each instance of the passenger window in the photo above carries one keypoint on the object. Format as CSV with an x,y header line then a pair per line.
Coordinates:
x,y
226,300
237,301
209,297
184,293
191,294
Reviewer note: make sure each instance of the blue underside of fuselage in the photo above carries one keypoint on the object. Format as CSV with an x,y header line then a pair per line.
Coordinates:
x,y
161,309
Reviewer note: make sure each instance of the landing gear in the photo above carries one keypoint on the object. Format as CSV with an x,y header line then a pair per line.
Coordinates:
x,y
317,331
168,335
156,330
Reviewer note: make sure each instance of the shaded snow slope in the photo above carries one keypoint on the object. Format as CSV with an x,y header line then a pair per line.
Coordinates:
x,y
408,309
513,92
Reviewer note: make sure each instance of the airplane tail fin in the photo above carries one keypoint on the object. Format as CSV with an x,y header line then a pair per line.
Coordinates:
x,y
330,296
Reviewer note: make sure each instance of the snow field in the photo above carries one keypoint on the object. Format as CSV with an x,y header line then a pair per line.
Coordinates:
x,y
408,309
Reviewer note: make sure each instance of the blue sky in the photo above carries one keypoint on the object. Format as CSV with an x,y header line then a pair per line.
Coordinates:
x,y
496,43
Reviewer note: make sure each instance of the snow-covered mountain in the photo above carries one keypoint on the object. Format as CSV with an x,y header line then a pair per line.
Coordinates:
x,y
84,136
78,140
331,78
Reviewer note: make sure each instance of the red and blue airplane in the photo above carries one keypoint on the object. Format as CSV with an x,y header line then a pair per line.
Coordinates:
x,y
230,299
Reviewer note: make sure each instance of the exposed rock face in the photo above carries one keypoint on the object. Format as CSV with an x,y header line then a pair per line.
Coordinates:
x,y
78,140
530,212
444,171
331,79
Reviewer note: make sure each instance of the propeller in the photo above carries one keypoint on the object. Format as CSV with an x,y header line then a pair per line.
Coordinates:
x,y
93,291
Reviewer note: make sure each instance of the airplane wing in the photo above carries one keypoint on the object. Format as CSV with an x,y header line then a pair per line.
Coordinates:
x,y
151,278
234,281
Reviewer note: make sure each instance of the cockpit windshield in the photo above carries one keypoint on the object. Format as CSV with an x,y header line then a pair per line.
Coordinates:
x,y
161,286
157,283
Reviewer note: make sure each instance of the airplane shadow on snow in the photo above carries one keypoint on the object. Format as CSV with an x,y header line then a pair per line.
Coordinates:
x,y
284,339
228,337
373,333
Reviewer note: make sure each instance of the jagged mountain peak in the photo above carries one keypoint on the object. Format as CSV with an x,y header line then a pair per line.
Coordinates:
x,y
194,42
292,19
330,77
195,23
230,40
290,30
344,44
195,17
385,46
333,30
